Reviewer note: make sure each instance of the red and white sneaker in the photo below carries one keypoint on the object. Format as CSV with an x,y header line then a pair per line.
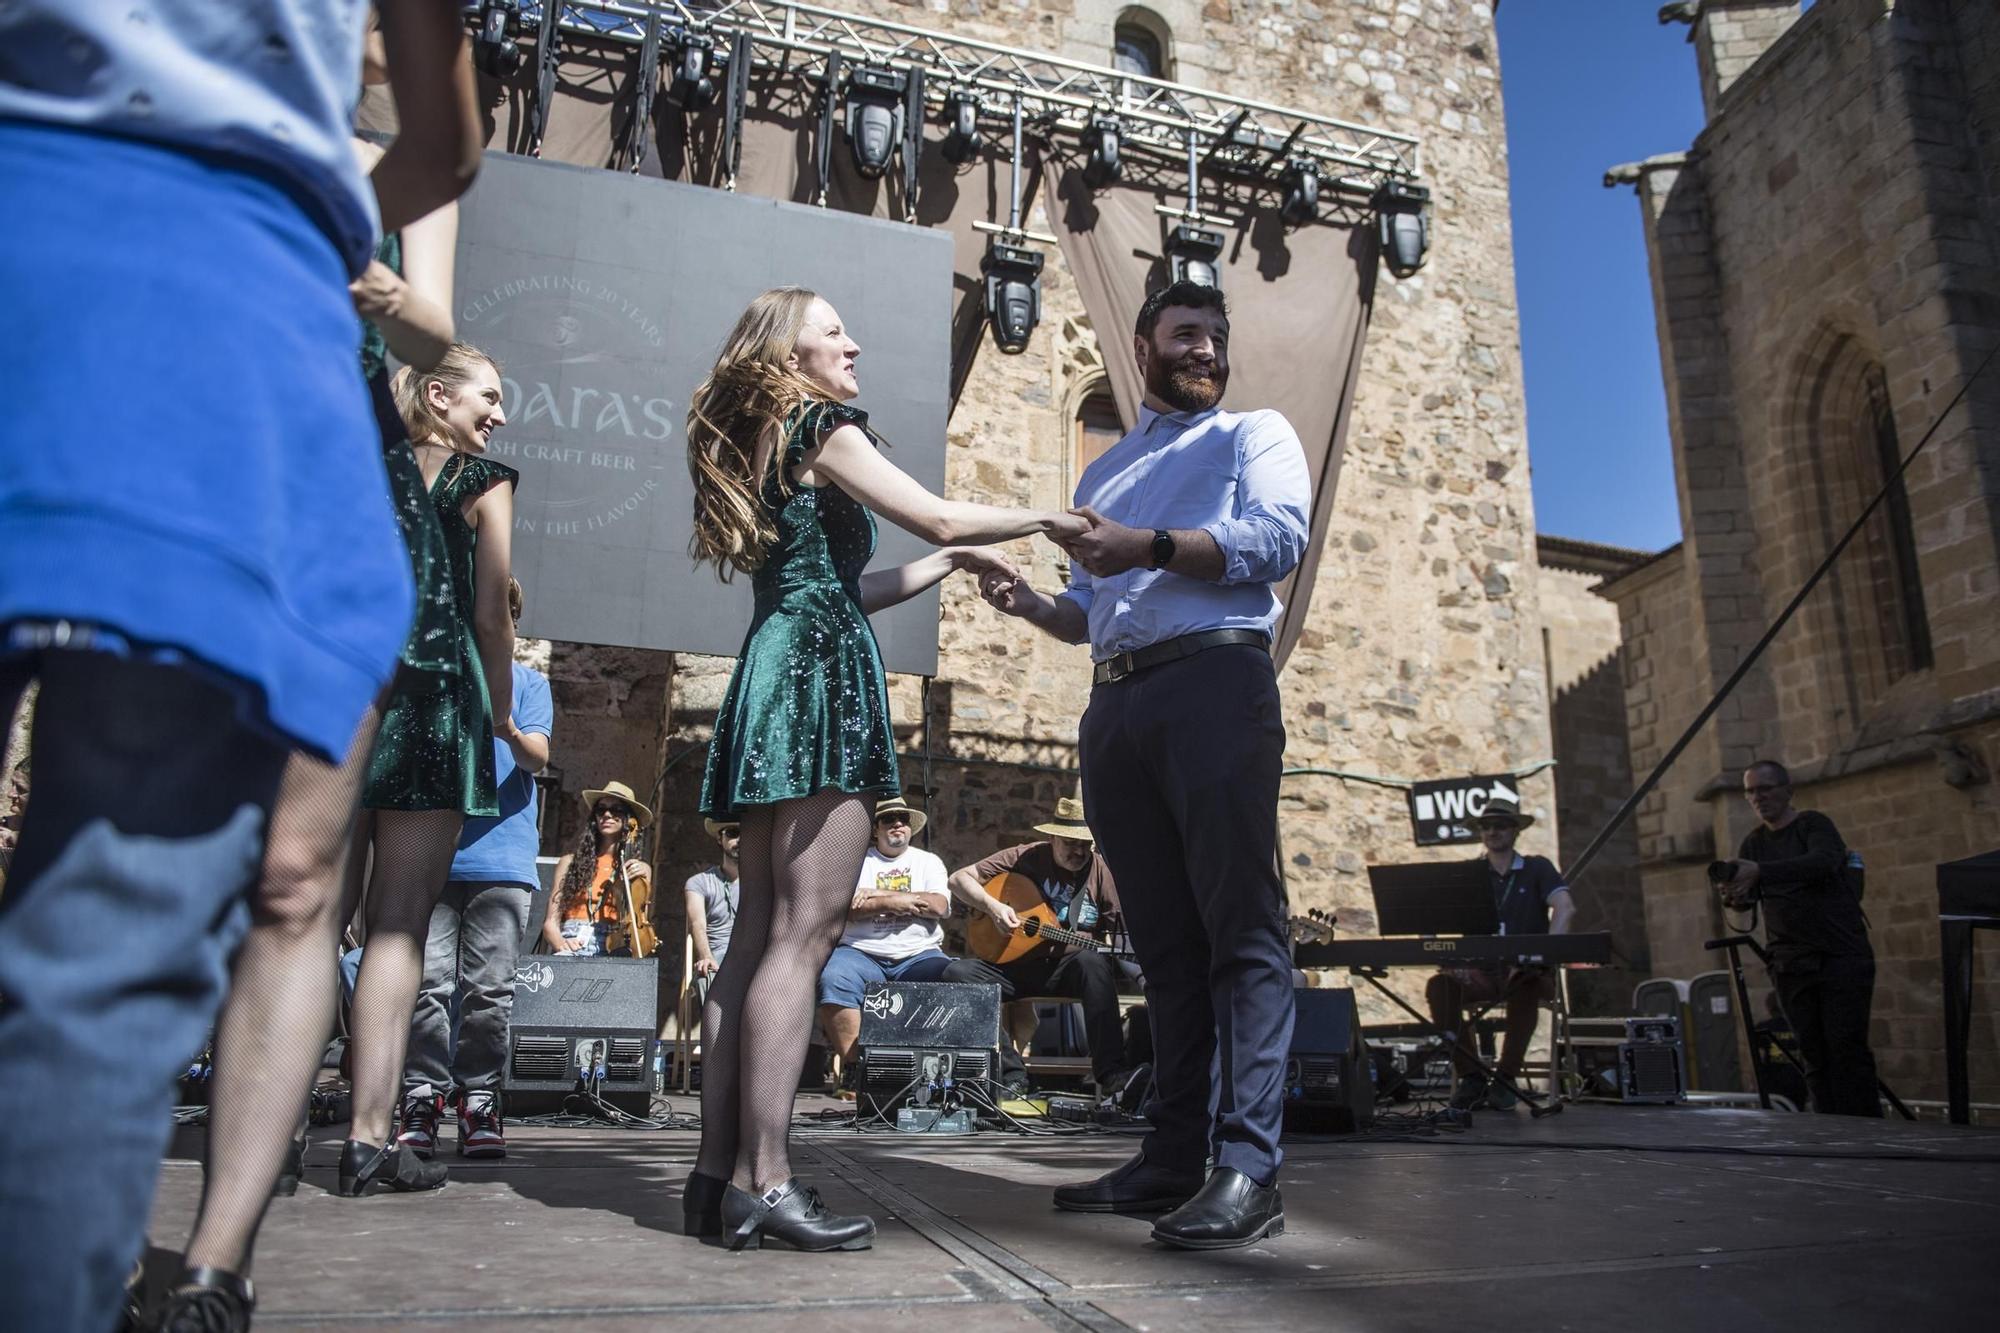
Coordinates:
x,y
420,1123
480,1132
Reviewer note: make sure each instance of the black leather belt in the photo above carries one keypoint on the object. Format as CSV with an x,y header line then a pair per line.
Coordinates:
x,y
1187,645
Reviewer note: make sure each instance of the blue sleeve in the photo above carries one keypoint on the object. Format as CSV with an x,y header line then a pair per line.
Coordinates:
x,y
1266,537
1079,590
534,709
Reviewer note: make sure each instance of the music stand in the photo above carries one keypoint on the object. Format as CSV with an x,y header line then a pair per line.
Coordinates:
x,y
1438,898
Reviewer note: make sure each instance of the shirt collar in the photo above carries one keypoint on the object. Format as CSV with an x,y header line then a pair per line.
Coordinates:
x,y
1175,420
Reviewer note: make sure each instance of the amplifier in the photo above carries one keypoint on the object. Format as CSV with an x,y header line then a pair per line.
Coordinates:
x,y
1328,1084
573,1016
920,1039
1630,1059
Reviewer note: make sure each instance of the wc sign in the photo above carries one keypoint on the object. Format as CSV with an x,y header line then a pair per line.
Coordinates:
x,y
1442,812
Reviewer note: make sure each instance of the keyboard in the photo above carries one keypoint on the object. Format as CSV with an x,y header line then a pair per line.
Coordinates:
x,y
1583,950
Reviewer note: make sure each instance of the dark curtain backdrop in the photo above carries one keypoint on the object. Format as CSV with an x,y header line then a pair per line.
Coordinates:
x,y
1299,300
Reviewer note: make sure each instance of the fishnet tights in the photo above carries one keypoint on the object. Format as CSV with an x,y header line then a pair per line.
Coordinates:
x,y
800,861
275,1022
413,852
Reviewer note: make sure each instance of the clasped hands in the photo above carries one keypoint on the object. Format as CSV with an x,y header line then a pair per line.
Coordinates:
x,y
1102,546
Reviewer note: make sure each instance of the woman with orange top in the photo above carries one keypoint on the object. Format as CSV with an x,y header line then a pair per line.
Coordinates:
x,y
589,900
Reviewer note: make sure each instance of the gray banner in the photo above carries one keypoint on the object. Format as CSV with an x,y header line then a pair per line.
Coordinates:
x,y
605,297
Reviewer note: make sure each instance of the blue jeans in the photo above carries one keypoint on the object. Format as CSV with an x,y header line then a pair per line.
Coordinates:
x,y
126,900
848,972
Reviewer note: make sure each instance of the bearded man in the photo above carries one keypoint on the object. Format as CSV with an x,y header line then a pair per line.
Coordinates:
x,y
1195,515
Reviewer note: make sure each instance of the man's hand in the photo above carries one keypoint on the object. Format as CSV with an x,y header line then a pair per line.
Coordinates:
x,y
1109,548
1007,593
706,967
1740,891
1003,916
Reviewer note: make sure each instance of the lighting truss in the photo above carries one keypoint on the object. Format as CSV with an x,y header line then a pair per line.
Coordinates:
x,y
1234,136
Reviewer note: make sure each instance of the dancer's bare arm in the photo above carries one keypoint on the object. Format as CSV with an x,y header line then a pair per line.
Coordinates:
x,y
884,588
492,514
413,308
850,460
1059,617
437,152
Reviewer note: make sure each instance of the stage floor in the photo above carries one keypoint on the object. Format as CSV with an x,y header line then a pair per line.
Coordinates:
x,y
1594,1219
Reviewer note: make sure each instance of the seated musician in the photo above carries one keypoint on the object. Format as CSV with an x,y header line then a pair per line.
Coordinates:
x,y
1532,900
893,931
588,905
1072,881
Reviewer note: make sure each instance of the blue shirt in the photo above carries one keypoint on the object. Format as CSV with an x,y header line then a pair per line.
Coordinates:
x,y
1238,476
271,83
501,849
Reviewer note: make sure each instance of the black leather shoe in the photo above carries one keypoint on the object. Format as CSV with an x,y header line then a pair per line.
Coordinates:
x,y
790,1215
701,1204
1136,1187
1232,1210
292,1171
392,1166
207,1300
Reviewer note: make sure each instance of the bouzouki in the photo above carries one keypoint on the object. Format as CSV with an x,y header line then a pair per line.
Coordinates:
x,y
1040,931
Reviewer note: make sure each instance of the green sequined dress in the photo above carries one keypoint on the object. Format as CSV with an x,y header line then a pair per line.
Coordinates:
x,y
807,706
435,749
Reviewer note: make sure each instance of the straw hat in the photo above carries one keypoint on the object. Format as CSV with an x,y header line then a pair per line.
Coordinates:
x,y
1068,822
1502,809
618,791
715,826
897,805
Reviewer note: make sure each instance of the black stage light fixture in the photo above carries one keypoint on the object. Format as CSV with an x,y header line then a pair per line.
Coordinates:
x,y
494,49
875,117
1301,184
1401,225
961,135
1013,293
1101,165
692,87
1194,254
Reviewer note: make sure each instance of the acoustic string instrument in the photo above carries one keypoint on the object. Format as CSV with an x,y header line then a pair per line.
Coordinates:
x,y
635,935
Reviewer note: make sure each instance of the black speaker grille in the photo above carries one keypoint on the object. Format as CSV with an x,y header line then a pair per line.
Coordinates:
x,y
541,1057
1655,1071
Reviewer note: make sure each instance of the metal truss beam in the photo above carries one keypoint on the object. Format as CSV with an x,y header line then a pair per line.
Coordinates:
x,y
1233,136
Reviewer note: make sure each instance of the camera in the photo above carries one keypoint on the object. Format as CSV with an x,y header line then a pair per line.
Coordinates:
x,y
1721,872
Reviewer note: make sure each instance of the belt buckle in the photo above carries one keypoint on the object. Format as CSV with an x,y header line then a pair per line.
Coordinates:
x,y
1120,665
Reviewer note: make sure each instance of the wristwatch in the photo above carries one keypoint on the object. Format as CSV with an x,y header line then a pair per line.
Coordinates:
x,y
1163,548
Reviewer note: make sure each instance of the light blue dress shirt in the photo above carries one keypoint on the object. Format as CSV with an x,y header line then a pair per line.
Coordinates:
x,y
1238,476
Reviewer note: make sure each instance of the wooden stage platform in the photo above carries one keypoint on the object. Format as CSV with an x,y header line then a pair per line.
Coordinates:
x,y
1602,1218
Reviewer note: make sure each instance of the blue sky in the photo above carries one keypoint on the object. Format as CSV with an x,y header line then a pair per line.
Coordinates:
x,y
1590,84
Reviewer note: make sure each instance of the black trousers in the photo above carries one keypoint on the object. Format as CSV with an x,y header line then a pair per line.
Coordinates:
x,y
1828,1000
1085,975
1180,778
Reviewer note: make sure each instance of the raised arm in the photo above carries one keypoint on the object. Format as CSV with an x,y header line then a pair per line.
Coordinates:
x,y
848,459
436,154
412,308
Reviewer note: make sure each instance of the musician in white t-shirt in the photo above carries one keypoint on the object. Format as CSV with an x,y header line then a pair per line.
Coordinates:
x,y
893,925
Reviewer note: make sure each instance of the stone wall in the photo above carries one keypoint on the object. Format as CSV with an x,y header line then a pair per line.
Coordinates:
x,y
1827,275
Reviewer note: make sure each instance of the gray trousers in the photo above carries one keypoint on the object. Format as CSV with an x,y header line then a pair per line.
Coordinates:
x,y
468,977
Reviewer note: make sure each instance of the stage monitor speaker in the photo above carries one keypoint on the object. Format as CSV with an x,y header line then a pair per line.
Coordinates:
x,y
572,1015
1630,1059
918,1038
1328,1083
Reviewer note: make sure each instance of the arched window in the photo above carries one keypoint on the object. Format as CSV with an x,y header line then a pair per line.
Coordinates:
x,y
1096,429
1140,44
1874,593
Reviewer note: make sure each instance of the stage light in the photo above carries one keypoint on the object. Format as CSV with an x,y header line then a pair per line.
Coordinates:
x,y
961,136
1101,166
875,117
691,88
494,49
1013,293
1301,183
1401,225
1194,254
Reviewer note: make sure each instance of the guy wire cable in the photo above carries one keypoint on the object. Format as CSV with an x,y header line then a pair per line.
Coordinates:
x,y
1574,872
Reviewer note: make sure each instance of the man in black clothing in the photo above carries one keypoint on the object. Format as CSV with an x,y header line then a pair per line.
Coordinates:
x,y
1821,962
1530,898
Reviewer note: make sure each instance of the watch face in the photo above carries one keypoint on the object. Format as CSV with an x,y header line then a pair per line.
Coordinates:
x,y
1163,548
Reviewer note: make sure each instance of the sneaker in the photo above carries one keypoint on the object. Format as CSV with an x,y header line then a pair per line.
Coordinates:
x,y
1471,1094
480,1132
421,1112
1499,1099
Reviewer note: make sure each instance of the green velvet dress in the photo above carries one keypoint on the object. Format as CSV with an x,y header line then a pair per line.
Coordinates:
x,y
807,706
435,749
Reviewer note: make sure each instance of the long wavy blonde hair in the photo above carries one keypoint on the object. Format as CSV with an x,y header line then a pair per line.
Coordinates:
x,y
747,395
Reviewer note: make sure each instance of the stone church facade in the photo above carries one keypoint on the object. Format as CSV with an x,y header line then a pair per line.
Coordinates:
x,y
1826,269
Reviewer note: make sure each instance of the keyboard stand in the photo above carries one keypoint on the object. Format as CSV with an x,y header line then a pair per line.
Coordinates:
x,y
1539,1105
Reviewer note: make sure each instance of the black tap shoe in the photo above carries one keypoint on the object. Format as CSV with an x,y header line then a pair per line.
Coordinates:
x,y
701,1204
206,1300
363,1166
790,1215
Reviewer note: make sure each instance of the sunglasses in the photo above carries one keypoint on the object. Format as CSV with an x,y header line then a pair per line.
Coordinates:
x,y
600,811
883,821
